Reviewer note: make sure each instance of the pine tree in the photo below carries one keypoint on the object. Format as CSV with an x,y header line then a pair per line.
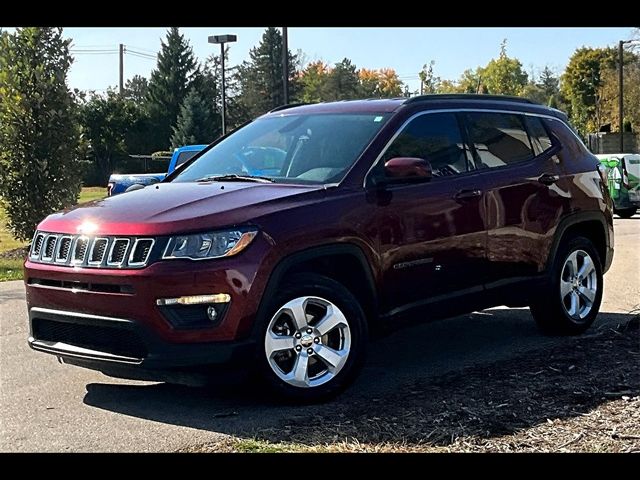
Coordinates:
x,y
549,82
197,123
343,82
169,84
260,78
39,133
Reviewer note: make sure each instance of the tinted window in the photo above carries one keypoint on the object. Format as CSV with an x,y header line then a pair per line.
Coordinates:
x,y
434,137
184,156
499,139
539,136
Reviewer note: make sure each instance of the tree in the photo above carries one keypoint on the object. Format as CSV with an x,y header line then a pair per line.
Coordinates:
x,y
504,75
311,81
197,122
549,83
389,84
342,83
136,89
580,84
169,84
105,120
369,83
38,128
429,82
609,95
260,78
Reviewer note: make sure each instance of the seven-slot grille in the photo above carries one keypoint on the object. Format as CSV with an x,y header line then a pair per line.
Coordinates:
x,y
85,251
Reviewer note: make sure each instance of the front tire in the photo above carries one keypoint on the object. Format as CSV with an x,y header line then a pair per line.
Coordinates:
x,y
626,212
312,340
570,301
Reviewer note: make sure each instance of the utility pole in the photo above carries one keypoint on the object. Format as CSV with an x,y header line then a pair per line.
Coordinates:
x,y
121,69
285,65
621,93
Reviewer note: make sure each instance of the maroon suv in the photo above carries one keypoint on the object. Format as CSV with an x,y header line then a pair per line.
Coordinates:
x,y
282,244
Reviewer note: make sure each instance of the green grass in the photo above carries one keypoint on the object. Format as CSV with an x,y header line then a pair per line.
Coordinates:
x,y
11,269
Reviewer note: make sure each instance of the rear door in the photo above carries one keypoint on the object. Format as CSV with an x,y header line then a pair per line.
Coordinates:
x,y
522,201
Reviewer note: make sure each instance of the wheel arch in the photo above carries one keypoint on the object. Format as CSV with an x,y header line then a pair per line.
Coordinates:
x,y
592,225
343,262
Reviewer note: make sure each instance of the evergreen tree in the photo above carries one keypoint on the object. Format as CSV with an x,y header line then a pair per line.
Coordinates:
x,y
197,123
343,82
169,84
136,89
39,134
260,78
549,83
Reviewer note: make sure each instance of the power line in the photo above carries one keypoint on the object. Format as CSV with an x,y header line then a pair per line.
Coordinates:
x,y
142,49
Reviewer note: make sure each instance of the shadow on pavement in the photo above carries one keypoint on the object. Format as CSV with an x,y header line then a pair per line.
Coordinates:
x,y
484,375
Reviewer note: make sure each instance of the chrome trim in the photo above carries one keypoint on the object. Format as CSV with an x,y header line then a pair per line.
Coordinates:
x,y
56,258
42,252
124,257
79,315
33,244
133,250
61,348
458,110
93,246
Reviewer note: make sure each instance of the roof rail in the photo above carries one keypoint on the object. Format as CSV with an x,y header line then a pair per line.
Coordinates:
x,y
468,96
284,107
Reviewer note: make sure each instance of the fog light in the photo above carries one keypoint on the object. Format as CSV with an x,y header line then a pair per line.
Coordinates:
x,y
212,313
195,299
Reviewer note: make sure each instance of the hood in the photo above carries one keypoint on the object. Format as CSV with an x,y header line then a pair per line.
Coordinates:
x,y
169,208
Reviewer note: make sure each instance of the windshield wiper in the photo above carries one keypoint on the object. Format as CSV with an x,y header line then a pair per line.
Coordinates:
x,y
235,178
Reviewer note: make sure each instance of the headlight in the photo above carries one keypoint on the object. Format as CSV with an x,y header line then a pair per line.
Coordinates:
x,y
202,246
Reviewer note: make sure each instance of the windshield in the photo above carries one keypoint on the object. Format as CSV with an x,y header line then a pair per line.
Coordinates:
x,y
312,149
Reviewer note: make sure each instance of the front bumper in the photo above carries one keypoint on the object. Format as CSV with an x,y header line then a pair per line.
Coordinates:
x,y
125,348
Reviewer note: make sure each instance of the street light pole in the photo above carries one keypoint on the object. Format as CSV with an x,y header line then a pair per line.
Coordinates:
x,y
285,66
222,39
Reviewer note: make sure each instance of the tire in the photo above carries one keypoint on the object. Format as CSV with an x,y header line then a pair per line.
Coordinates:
x,y
626,212
316,295
554,310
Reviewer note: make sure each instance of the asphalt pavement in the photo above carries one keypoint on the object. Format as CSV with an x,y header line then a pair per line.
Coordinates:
x,y
49,407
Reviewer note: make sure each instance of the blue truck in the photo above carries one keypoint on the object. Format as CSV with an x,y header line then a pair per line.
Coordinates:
x,y
120,183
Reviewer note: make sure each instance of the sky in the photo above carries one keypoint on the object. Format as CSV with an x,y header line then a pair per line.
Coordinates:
x,y
404,49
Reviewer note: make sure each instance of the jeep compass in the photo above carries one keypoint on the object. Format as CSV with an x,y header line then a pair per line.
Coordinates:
x,y
279,247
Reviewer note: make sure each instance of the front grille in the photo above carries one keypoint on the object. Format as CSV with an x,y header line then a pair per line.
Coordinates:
x,y
96,252
118,251
113,340
49,247
64,247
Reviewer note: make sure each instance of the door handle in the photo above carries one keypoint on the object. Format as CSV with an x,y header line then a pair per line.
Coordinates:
x,y
548,178
467,194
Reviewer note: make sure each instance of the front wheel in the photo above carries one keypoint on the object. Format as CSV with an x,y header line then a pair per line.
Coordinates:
x,y
626,212
314,339
570,301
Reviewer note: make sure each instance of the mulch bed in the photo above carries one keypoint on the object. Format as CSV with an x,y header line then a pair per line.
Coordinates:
x,y
15,254
582,396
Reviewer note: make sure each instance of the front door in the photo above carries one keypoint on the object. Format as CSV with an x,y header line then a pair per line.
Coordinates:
x,y
431,235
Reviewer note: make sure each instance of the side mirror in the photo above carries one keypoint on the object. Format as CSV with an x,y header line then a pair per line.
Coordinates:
x,y
407,170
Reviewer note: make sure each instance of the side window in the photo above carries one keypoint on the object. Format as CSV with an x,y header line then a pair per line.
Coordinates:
x,y
435,137
499,139
539,136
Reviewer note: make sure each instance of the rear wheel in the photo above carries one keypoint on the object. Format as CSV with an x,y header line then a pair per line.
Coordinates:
x,y
314,338
570,301
626,212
